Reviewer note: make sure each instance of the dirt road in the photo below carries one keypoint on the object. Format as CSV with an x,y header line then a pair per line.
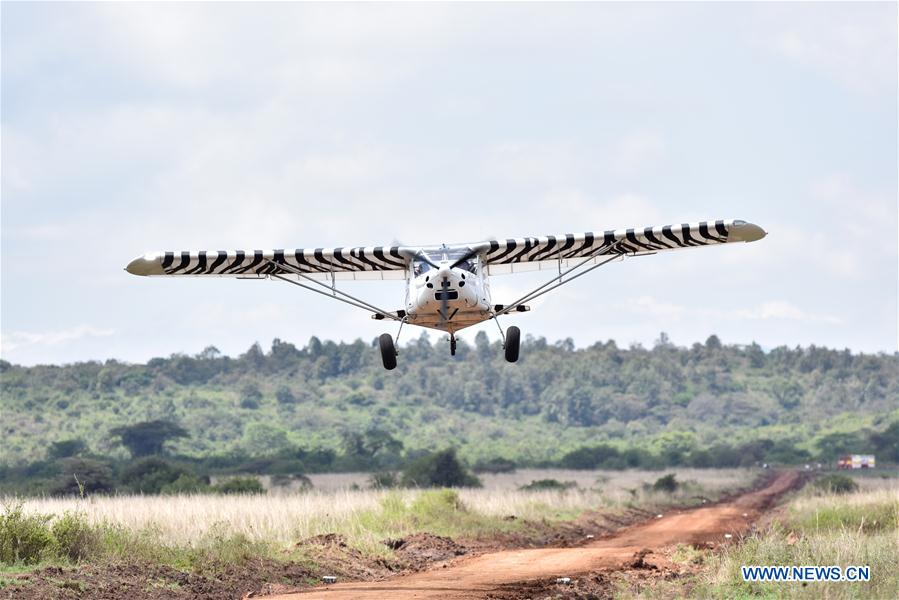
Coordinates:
x,y
482,576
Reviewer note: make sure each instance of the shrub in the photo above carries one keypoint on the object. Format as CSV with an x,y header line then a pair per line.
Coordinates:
x,y
836,484
150,475
239,485
667,483
384,479
593,457
284,395
23,538
438,469
495,465
548,484
186,484
74,538
80,476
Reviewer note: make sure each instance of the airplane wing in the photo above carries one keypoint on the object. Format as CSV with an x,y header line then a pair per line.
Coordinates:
x,y
551,252
377,262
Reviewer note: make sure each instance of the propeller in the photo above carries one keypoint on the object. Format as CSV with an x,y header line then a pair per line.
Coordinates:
x,y
444,300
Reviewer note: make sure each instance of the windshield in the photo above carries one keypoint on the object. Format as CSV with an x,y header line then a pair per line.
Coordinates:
x,y
419,267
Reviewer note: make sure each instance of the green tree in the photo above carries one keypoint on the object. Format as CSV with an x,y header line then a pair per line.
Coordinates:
x,y
66,448
438,469
149,437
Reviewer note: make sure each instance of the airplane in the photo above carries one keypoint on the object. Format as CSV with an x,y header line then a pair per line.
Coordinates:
x,y
447,286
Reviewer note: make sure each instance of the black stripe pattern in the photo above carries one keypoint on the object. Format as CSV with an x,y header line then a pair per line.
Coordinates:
x,y
251,263
256,263
620,241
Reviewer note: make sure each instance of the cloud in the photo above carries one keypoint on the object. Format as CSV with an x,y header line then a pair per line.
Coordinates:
x,y
780,310
853,44
19,339
776,310
638,151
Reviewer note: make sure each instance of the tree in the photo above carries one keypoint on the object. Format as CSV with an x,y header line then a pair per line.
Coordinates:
x,y
66,448
149,437
592,457
887,442
150,475
439,469
250,396
81,476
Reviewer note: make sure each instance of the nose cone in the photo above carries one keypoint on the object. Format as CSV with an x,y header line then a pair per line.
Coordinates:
x,y
741,231
147,264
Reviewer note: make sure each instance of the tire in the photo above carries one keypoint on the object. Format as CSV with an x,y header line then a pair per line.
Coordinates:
x,y
388,351
513,338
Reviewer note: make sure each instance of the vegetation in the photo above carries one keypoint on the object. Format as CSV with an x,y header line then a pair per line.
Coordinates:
x,y
836,484
180,530
548,484
327,407
666,483
858,528
439,469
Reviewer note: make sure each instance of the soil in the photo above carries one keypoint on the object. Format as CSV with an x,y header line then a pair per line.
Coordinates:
x,y
592,552
573,572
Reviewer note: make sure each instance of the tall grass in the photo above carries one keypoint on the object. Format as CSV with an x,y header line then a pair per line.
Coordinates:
x,y
276,522
861,528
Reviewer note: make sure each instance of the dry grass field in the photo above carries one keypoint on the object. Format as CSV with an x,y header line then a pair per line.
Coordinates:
x,y
367,516
813,528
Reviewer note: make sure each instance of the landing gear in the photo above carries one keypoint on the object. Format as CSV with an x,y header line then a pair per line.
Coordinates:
x,y
388,351
513,339
452,345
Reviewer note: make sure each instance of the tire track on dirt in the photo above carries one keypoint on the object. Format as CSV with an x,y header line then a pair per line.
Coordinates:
x,y
480,576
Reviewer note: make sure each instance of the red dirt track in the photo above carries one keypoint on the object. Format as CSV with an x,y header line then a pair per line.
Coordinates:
x,y
489,574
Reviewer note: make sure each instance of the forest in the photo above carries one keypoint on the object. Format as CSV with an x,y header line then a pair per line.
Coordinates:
x,y
330,406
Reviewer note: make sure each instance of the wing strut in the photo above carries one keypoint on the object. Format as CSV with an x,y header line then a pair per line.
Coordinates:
x,y
332,291
560,280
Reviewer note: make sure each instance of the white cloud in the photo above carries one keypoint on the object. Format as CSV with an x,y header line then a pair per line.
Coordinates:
x,y
777,310
647,305
638,151
853,44
19,339
780,310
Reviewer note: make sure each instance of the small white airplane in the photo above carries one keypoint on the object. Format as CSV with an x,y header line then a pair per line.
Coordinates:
x,y
447,286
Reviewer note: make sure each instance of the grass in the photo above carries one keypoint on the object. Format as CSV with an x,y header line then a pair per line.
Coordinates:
x,y
188,531
817,528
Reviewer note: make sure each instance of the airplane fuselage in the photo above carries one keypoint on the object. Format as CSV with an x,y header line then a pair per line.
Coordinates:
x,y
436,285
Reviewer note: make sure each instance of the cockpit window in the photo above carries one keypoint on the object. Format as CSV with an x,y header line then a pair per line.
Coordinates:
x,y
419,267
467,265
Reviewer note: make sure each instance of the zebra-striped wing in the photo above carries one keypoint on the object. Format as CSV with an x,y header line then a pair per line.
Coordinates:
x,y
528,254
378,262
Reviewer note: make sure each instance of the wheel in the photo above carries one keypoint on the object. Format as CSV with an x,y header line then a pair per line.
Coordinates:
x,y
513,337
452,346
388,351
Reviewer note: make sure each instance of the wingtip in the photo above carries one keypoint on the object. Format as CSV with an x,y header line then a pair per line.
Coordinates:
x,y
144,265
742,231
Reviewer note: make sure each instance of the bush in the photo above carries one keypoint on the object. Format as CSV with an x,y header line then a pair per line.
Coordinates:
x,y
667,483
836,484
548,484
439,469
495,465
81,476
74,538
284,395
23,538
239,485
186,484
150,475
384,479
593,457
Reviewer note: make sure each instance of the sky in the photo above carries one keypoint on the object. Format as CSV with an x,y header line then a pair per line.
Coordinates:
x,y
128,128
